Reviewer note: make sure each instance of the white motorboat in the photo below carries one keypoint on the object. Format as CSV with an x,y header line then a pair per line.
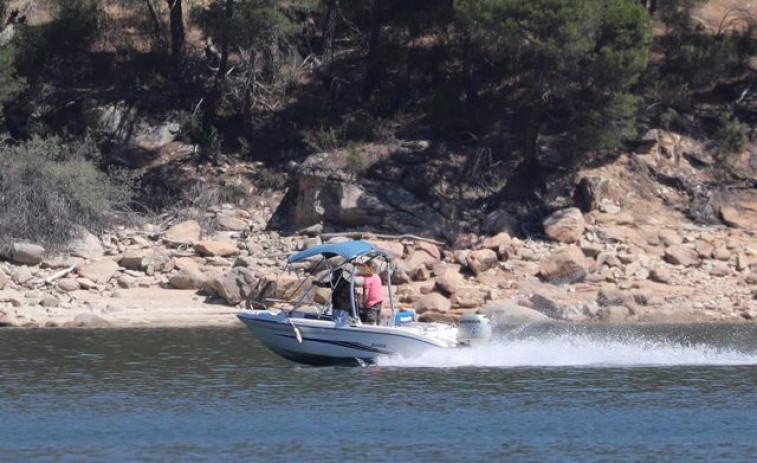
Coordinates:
x,y
314,334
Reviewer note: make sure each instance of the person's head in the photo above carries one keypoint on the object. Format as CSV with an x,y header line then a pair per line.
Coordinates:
x,y
337,275
364,269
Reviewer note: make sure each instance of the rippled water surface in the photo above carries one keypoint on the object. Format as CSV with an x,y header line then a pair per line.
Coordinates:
x,y
649,393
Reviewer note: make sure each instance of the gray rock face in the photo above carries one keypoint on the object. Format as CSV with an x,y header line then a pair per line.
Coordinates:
x,y
122,122
324,192
27,253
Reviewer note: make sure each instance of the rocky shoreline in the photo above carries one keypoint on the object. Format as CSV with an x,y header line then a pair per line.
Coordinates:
x,y
628,255
592,267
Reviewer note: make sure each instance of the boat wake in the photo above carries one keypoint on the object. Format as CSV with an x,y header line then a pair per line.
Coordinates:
x,y
583,350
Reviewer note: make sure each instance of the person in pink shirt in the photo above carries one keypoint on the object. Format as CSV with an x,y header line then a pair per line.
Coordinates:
x,y
373,295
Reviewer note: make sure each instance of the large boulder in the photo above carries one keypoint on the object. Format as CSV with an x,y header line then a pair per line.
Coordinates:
x,y
468,298
741,216
682,255
216,248
565,225
395,249
229,222
132,259
27,253
418,264
429,248
481,260
157,261
325,191
567,265
553,306
434,302
589,193
184,233
448,278
235,286
188,278
99,271
86,245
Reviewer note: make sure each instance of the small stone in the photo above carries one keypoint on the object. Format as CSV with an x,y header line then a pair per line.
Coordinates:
x,y
68,284
660,275
721,253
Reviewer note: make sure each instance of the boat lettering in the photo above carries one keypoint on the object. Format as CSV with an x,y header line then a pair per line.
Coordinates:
x,y
478,322
378,345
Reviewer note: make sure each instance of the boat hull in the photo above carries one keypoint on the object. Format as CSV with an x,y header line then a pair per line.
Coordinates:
x,y
323,342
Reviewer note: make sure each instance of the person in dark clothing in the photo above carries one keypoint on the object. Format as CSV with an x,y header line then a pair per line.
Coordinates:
x,y
340,295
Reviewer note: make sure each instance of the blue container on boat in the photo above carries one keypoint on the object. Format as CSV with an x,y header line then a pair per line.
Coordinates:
x,y
403,317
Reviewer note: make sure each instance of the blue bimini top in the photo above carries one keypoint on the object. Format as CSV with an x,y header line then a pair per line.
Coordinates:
x,y
348,250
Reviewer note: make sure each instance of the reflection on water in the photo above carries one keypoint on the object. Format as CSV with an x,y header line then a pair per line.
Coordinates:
x,y
549,393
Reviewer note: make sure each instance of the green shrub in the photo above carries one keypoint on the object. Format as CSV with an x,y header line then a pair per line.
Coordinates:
x,y
731,136
197,129
323,140
268,178
48,187
666,118
230,194
355,160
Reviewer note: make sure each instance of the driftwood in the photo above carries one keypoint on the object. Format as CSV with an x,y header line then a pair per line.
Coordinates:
x,y
59,274
357,235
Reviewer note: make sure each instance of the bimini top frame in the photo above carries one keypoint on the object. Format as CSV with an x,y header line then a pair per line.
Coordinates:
x,y
351,252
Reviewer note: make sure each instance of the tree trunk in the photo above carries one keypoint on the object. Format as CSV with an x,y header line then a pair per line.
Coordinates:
x,y
471,92
329,26
176,16
157,24
224,62
534,120
327,34
652,7
372,68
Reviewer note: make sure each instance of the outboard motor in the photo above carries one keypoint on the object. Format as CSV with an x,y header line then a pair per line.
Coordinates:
x,y
474,330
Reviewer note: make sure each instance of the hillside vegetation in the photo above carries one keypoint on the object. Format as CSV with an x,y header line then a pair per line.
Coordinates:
x,y
520,94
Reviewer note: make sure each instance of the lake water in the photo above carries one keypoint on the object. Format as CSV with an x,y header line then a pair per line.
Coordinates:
x,y
547,394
